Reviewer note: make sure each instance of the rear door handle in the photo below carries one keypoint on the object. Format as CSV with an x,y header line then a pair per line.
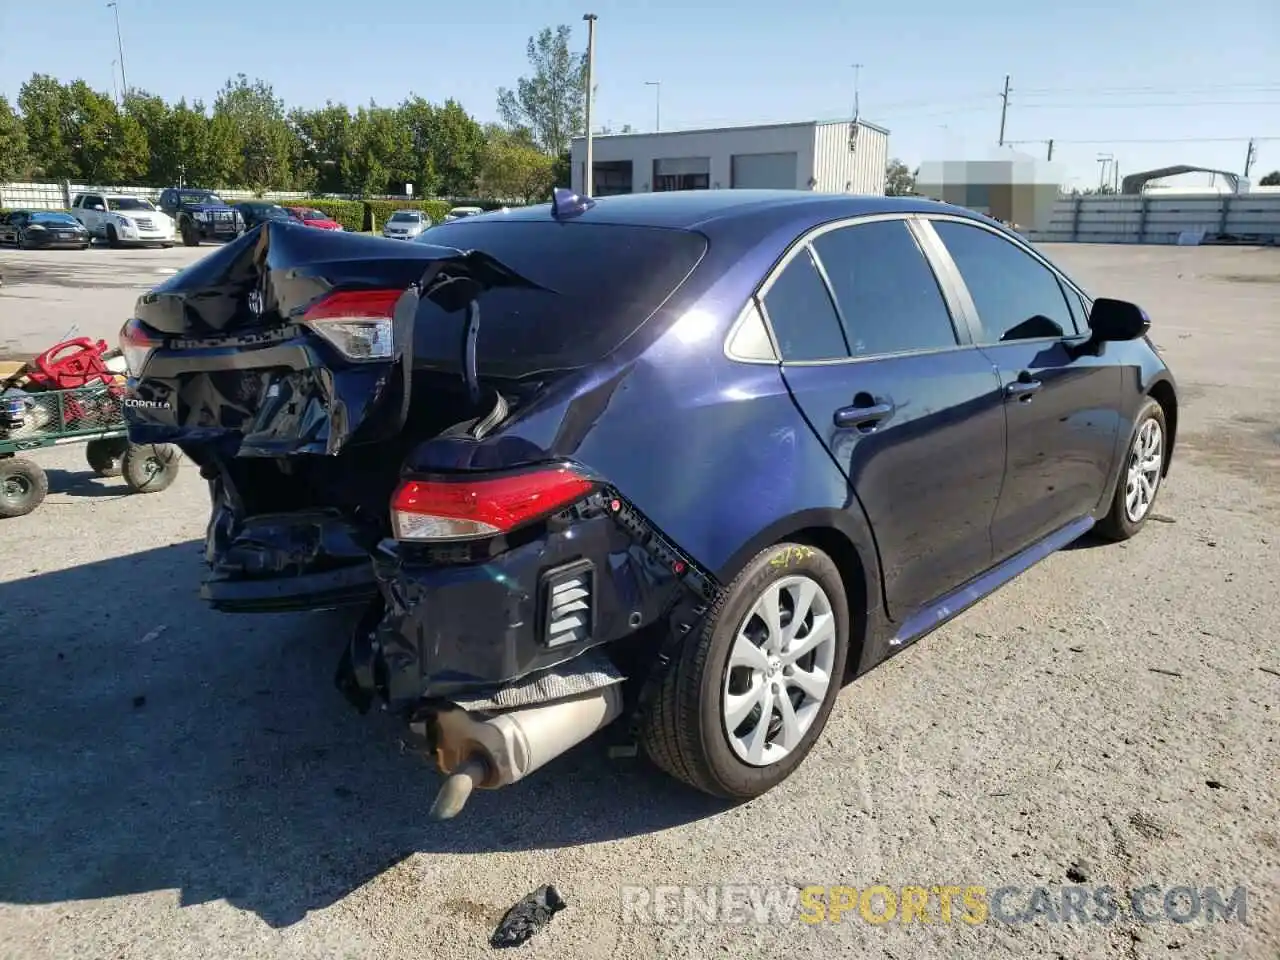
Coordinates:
x,y
868,416
1023,388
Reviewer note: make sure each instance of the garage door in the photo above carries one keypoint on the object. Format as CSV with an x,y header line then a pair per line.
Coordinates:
x,y
764,171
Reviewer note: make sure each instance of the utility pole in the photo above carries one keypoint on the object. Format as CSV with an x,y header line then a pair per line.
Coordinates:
x,y
591,69
124,83
1250,155
1004,107
657,103
115,86
857,106
1103,160
1050,156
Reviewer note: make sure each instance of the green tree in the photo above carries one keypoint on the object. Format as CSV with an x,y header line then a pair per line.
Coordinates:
x,y
379,151
1272,179
321,138
514,170
13,144
419,119
46,112
551,103
181,155
254,118
106,146
457,150
152,115
899,181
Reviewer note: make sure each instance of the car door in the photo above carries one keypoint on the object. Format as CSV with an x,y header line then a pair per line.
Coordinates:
x,y
8,230
91,217
1062,409
908,409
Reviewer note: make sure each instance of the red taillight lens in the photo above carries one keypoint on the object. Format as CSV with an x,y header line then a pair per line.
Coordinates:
x,y
136,346
468,508
357,322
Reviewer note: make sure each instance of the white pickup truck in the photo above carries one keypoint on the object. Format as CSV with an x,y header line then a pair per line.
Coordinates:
x,y
122,220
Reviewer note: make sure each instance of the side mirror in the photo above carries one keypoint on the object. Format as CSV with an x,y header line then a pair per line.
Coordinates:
x,y
98,206
1115,321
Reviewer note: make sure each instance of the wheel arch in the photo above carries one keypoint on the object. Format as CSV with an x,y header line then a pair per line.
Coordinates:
x,y
1163,393
848,543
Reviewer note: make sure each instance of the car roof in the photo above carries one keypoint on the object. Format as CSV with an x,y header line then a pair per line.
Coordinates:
x,y
720,209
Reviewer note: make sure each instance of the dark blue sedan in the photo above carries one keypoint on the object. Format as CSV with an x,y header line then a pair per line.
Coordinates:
x,y
686,458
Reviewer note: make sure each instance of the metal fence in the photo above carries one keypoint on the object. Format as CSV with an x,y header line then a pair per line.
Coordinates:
x,y
1155,219
57,196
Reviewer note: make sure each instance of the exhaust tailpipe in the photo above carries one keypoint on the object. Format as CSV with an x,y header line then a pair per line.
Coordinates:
x,y
492,751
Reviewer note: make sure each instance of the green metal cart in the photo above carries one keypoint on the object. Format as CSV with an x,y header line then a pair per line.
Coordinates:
x,y
92,415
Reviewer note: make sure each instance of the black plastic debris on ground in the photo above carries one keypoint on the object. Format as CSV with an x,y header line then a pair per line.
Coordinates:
x,y
530,914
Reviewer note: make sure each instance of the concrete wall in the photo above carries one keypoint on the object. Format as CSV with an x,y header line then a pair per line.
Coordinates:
x,y
1159,219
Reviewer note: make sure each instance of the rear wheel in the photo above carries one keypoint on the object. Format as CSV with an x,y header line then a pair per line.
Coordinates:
x,y
104,456
150,468
749,694
23,487
1140,476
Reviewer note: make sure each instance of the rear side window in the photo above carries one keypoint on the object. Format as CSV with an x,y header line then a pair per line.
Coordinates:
x,y
803,318
601,283
887,292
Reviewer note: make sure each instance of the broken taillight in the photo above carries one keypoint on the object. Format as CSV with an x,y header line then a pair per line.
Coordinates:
x,y
136,346
482,506
357,322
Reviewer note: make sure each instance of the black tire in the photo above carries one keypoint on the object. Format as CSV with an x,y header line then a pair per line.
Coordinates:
x,y
104,456
113,238
684,729
190,235
150,468
23,487
20,241
166,246
1119,524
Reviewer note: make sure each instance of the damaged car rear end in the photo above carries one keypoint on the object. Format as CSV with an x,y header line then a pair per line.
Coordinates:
x,y
407,427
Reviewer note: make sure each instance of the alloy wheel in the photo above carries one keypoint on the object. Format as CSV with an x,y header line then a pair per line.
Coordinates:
x,y
779,671
1146,459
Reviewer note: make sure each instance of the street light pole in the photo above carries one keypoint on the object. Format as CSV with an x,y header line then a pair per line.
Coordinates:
x,y
124,83
657,103
591,70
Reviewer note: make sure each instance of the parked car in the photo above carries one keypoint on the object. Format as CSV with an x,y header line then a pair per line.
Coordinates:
x,y
692,457
122,220
314,218
458,213
201,215
254,212
42,229
405,224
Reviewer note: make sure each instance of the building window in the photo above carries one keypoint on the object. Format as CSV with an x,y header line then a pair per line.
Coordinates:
x,y
682,173
611,177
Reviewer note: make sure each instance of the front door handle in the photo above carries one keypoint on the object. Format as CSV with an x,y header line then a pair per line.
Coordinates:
x,y
1024,388
857,416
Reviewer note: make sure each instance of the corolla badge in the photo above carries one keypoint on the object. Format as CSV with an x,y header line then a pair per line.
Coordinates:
x,y
148,404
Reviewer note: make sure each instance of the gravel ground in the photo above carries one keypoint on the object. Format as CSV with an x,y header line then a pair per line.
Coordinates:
x,y
183,784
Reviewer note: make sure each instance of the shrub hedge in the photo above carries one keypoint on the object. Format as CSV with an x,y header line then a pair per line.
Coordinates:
x,y
378,211
349,213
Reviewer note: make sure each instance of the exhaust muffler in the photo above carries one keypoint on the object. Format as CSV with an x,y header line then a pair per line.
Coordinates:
x,y
493,750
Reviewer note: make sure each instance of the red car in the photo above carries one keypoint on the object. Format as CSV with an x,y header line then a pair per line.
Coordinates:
x,y
313,218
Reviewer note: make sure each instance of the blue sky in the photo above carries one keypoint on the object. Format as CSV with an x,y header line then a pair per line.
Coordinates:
x,y
1114,72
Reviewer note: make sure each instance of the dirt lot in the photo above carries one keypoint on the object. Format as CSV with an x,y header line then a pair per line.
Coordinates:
x,y
179,784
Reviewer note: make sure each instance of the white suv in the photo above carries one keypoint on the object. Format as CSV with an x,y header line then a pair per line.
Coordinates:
x,y
122,220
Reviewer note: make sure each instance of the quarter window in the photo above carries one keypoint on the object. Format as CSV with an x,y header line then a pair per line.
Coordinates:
x,y
1017,297
887,292
803,318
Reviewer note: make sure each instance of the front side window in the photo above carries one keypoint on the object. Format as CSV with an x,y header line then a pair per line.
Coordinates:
x,y
801,313
1016,296
129,203
887,292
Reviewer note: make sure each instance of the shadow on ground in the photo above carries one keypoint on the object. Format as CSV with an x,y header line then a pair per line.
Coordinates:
x,y
84,483
151,744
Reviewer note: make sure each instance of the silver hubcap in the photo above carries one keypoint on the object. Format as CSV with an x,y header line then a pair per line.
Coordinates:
x,y
779,670
1146,458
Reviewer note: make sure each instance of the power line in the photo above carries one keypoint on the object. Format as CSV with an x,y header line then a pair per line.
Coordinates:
x,y
1265,87
1155,140
1145,106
